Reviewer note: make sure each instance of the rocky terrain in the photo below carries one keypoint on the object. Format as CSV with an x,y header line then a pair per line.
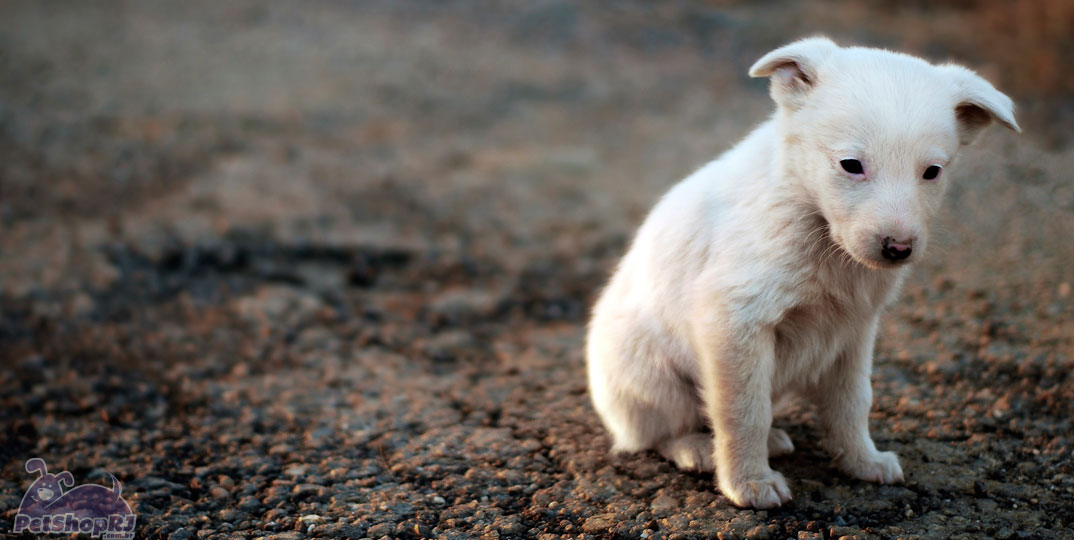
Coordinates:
x,y
322,269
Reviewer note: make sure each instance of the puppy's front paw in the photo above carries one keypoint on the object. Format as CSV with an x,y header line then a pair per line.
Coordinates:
x,y
880,467
768,491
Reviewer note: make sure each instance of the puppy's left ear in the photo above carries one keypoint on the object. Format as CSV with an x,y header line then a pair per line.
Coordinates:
x,y
977,104
794,68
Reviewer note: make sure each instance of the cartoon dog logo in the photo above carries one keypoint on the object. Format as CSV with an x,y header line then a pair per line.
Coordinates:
x,y
90,508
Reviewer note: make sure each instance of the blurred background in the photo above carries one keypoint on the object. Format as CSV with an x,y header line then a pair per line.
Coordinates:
x,y
136,121
354,223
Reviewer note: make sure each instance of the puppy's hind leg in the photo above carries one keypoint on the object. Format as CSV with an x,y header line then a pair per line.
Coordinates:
x,y
644,401
640,399
693,451
654,420
779,443
690,452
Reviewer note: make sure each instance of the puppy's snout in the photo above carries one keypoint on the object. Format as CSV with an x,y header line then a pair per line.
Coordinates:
x,y
896,250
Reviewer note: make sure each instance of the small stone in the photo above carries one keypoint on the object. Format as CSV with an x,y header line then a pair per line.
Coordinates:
x,y
411,528
759,532
402,509
279,449
599,523
220,493
307,489
81,304
839,532
664,502
249,503
456,305
182,533
380,529
449,345
284,536
311,518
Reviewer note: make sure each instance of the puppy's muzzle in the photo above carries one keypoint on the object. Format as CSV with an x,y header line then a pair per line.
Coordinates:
x,y
893,250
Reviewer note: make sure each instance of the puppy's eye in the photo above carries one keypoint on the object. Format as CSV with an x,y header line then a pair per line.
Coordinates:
x,y
931,172
852,166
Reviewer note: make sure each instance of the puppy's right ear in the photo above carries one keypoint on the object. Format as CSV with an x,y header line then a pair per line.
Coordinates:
x,y
978,104
793,68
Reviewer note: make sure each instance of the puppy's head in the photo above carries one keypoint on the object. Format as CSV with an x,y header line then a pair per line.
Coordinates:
x,y
870,133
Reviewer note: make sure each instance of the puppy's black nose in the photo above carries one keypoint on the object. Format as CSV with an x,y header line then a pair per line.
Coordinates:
x,y
895,251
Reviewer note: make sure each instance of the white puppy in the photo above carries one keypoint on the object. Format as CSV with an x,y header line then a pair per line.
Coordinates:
x,y
763,274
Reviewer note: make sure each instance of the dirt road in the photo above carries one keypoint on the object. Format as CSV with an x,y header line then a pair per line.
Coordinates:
x,y
322,269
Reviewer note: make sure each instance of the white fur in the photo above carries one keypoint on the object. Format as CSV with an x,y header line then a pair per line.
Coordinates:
x,y
761,275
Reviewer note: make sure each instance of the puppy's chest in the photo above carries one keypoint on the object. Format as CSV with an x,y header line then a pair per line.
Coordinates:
x,y
812,334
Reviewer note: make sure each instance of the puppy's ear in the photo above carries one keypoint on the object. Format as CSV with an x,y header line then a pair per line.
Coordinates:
x,y
793,68
977,104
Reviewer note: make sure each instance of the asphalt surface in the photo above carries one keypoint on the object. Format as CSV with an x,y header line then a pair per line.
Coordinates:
x,y
322,270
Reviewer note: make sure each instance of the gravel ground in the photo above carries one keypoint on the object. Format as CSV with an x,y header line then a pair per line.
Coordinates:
x,y
322,270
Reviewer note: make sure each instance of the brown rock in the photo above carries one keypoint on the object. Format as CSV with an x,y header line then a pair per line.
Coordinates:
x,y
599,523
664,502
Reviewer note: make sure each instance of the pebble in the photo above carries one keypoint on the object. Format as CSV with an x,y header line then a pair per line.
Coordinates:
x,y
664,502
760,532
283,536
305,489
225,481
381,529
182,533
599,523
449,345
